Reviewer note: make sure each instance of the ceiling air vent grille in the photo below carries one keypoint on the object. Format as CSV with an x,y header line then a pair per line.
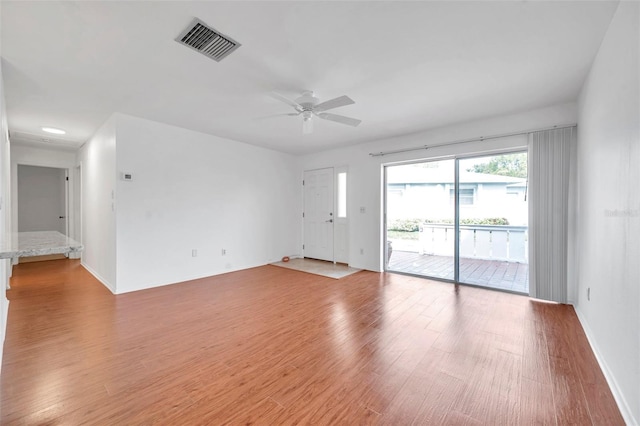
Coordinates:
x,y
207,41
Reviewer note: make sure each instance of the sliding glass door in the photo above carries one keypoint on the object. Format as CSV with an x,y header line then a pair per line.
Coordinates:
x,y
420,217
493,221
463,220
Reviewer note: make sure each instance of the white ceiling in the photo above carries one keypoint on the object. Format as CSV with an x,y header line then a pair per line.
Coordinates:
x,y
409,66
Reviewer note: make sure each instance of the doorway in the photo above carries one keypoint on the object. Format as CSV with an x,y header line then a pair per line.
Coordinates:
x,y
462,220
42,199
42,202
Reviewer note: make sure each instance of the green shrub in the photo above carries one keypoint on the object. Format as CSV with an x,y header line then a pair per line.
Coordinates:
x,y
474,221
405,225
413,225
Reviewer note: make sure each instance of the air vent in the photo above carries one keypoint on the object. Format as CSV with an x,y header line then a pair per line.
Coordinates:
x,y
207,41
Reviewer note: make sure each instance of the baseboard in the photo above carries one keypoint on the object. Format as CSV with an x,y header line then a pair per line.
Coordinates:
x,y
98,277
5,314
611,381
5,271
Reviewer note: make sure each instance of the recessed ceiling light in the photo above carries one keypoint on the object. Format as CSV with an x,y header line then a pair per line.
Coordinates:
x,y
54,130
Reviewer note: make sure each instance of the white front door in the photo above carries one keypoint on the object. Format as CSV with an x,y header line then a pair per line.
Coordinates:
x,y
318,214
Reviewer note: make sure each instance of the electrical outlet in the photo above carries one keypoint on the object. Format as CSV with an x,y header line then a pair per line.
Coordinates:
x,y
361,251
224,252
589,293
194,253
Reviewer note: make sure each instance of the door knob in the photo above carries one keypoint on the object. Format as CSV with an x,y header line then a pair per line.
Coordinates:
x,y
60,217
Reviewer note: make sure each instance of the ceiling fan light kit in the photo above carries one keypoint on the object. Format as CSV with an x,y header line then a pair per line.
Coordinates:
x,y
309,105
307,124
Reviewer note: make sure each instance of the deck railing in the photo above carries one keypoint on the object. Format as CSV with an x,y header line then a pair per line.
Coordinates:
x,y
488,242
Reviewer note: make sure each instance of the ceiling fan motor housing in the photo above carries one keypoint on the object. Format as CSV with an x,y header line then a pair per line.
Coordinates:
x,y
308,100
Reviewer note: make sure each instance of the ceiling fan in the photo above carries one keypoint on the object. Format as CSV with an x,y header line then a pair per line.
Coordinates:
x,y
308,105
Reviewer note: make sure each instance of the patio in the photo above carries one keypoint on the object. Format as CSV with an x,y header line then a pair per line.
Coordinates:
x,y
512,276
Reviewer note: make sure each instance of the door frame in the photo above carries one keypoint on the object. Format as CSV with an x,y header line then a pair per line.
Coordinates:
x,y
457,158
342,221
69,202
77,208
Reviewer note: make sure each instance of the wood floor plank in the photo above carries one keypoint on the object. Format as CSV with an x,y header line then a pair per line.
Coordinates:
x,y
601,405
440,395
569,399
265,412
535,359
274,346
536,402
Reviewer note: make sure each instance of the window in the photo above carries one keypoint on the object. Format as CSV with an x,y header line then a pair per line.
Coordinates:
x,y
466,196
342,194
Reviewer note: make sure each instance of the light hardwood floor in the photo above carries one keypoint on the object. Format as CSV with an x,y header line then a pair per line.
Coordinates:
x,y
275,346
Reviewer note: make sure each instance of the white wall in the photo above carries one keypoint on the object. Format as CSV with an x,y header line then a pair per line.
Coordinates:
x,y
5,212
44,157
98,161
365,172
608,210
196,191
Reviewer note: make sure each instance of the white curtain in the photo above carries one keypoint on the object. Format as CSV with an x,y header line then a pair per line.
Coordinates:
x,y
549,171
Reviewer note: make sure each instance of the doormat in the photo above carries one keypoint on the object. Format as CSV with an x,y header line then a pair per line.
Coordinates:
x,y
318,267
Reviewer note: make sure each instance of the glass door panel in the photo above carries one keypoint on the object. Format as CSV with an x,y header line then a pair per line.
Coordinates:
x,y
494,222
420,213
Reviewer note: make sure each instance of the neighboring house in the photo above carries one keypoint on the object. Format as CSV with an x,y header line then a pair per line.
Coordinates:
x,y
428,193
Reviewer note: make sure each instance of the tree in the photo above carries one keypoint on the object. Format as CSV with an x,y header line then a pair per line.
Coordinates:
x,y
514,165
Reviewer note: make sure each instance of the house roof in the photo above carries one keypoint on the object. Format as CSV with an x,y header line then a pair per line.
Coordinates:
x,y
409,66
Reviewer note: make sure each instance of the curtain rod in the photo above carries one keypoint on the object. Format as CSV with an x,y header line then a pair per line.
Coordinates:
x,y
461,141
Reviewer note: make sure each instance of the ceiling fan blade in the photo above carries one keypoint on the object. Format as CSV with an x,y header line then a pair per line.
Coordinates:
x,y
286,100
333,103
340,119
266,117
